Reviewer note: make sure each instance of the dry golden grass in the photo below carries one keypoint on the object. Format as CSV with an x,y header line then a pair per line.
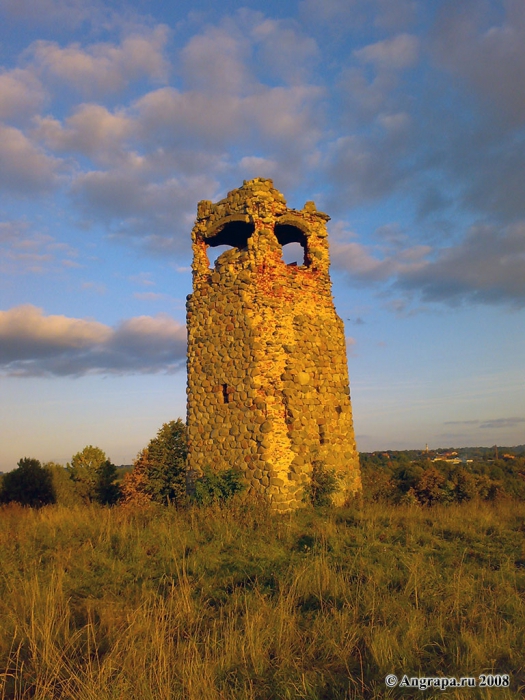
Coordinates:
x,y
157,604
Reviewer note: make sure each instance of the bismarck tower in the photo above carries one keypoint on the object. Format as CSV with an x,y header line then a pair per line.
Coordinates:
x,y
268,387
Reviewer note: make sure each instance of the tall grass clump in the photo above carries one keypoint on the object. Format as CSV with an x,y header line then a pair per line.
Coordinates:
x,y
218,603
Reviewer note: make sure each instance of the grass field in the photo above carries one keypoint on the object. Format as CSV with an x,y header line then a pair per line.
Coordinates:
x,y
99,603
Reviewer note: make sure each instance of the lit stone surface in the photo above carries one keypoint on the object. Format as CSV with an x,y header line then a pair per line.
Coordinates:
x,y
268,387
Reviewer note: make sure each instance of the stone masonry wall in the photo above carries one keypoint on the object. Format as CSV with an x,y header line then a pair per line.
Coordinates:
x,y
268,387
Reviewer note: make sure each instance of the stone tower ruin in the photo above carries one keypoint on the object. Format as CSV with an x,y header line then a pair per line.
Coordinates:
x,y
268,389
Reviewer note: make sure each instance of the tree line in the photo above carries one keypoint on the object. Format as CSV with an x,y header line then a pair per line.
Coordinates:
x,y
410,477
159,476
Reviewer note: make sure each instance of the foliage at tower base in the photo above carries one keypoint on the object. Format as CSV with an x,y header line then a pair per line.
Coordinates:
x,y
159,471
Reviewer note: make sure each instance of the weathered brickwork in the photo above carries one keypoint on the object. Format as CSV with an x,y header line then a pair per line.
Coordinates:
x,y
268,387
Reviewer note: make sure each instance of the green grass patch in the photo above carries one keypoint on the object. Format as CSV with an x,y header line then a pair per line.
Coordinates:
x,y
210,602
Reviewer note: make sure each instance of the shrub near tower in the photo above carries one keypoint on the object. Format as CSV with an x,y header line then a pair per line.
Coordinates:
x,y
268,387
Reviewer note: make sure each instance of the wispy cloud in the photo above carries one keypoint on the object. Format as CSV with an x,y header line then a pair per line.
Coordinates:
x,y
396,53
25,251
66,13
494,423
148,296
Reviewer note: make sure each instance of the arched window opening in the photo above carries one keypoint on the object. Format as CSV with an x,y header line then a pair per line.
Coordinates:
x,y
293,242
234,234
215,253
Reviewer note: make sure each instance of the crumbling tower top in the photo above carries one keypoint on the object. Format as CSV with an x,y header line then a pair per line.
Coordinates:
x,y
258,206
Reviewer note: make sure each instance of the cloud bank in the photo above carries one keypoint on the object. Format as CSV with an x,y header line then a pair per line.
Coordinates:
x,y
487,267
131,131
35,345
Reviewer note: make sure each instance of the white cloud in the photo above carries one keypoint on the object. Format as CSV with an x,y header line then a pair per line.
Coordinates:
x,y
175,119
92,130
225,103
375,264
364,168
391,15
142,279
21,94
255,166
25,168
487,51
350,346
488,267
11,231
68,13
180,140
398,53
347,13
26,333
214,62
285,52
149,211
24,251
32,344
353,14
150,161
103,68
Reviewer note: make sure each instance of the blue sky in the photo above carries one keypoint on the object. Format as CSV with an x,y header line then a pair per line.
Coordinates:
x,y
402,120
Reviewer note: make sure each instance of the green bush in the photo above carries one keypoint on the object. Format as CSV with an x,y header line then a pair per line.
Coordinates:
x,y
323,485
218,487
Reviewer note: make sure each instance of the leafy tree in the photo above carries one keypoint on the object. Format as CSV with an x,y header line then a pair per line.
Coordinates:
x,y
378,484
95,476
65,488
430,487
407,476
30,485
464,488
166,458
135,483
488,489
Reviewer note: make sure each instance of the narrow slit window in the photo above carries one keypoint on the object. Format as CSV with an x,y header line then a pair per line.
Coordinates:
x,y
225,394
